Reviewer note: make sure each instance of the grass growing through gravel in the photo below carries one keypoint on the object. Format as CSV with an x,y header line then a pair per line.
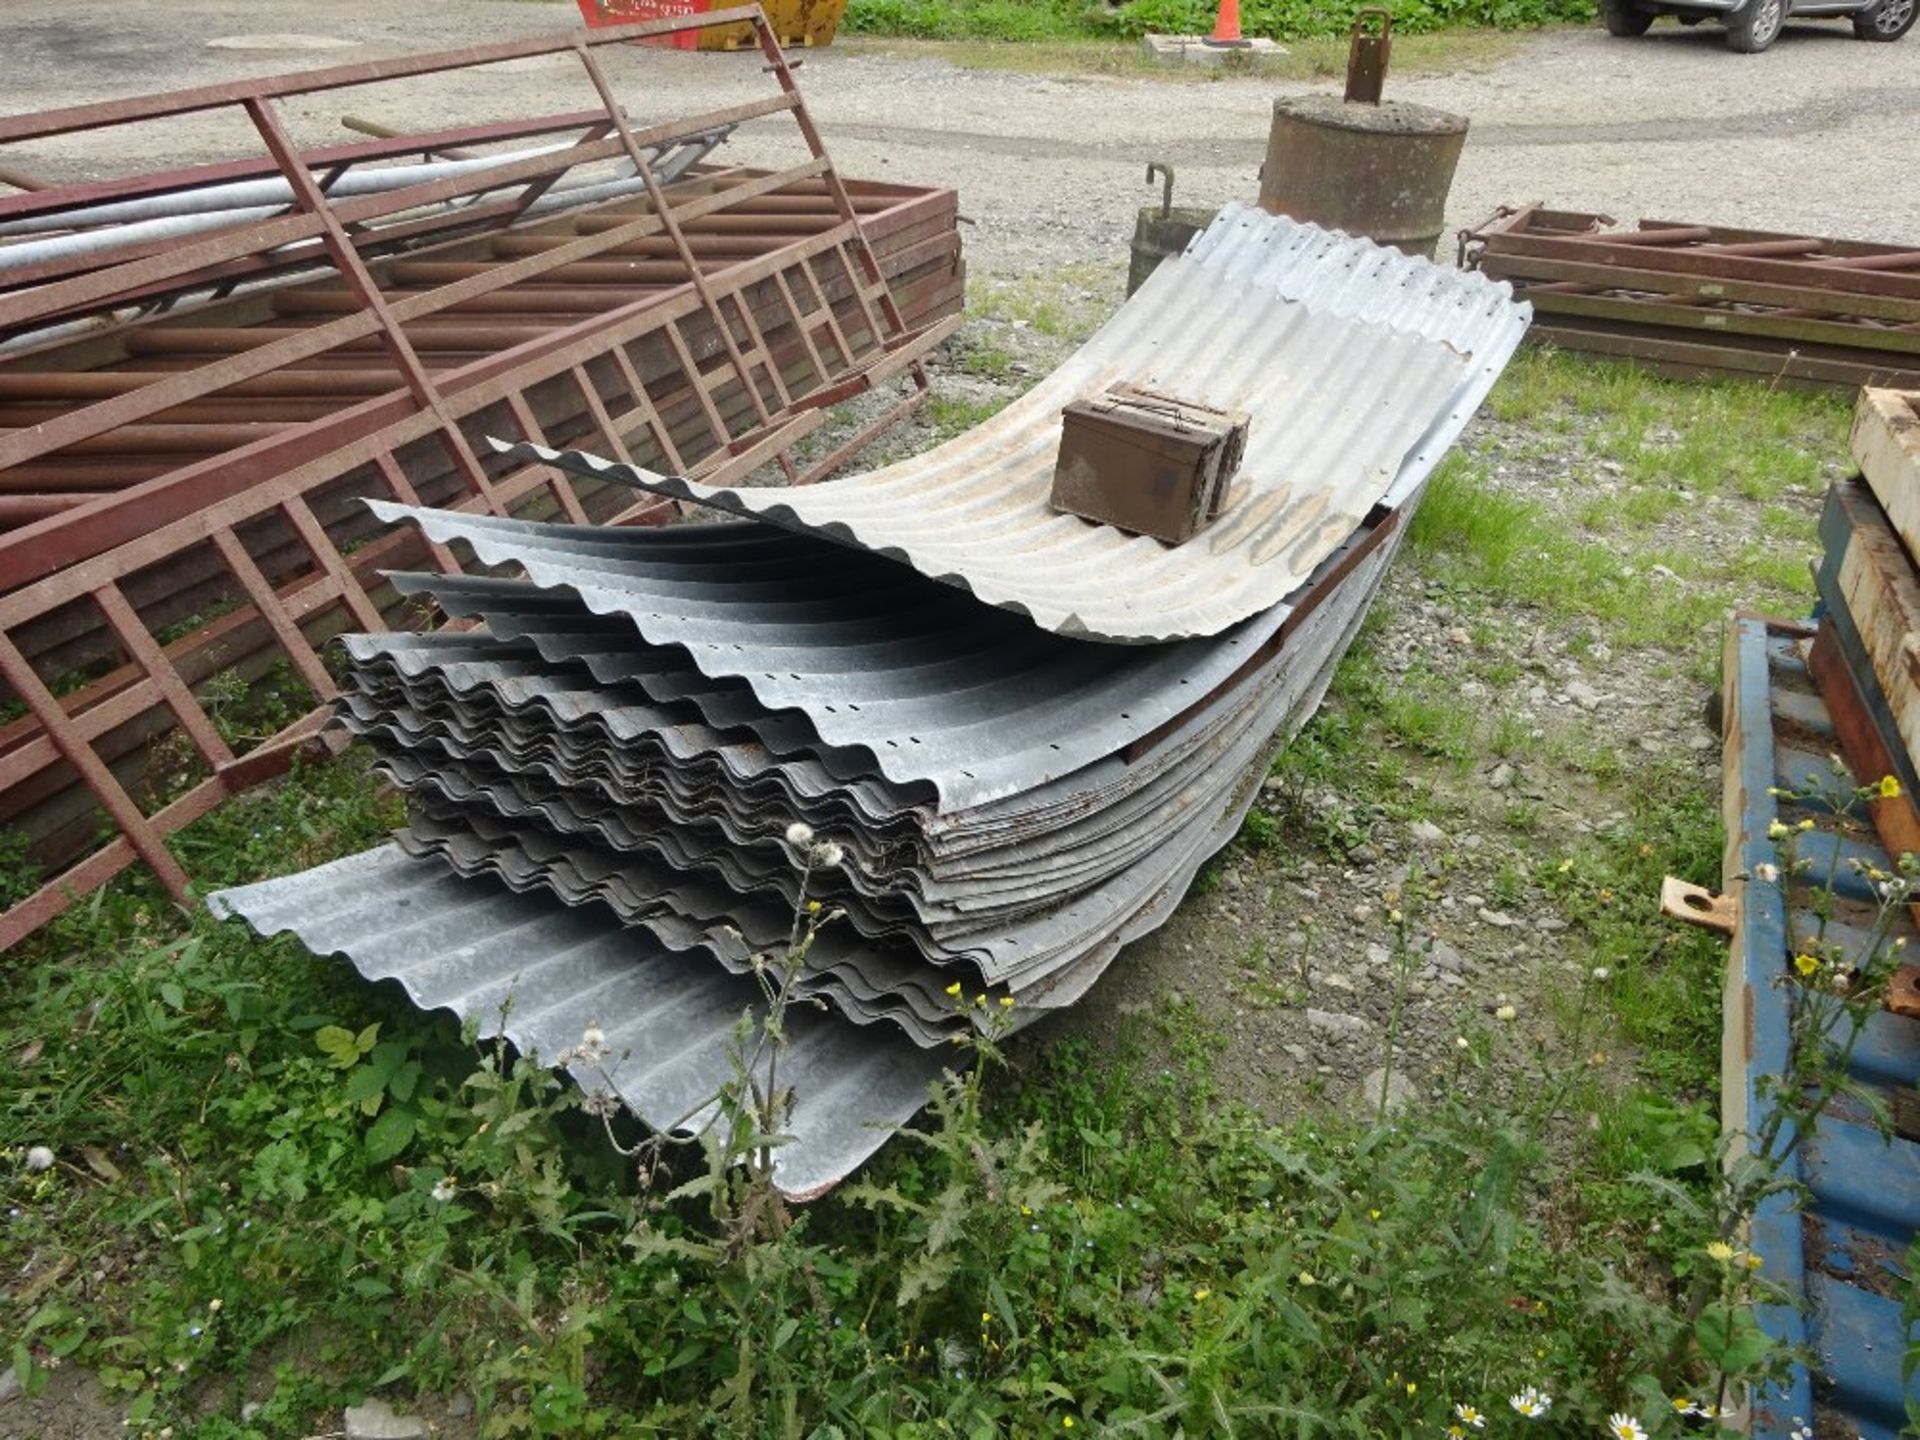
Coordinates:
x,y
242,1212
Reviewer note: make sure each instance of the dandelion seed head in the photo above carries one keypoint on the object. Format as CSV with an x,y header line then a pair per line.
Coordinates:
x,y
827,853
1602,973
799,835
1505,1012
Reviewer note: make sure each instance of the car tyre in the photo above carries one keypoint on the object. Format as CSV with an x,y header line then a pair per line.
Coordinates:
x,y
1886,21
1624,18
1757,26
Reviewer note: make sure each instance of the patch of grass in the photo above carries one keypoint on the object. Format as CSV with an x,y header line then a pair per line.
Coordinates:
x,y
955,417
1054,20
1481,539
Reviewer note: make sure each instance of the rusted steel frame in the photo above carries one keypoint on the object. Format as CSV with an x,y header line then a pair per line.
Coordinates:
x,y
1525,270
316,592
644,169
529,424
145,652
596,409
92,287
534,190
321,473
169,264
487,382
272,757
1501,239
79,753
642,408
353,269
400,487
824,309
1689,358
100,285
1836,248
311,82
186,385
226,172
861,439
1776,326
836,188
20,509
801,327
104,705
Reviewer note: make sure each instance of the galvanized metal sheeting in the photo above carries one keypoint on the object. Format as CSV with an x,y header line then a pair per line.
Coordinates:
x,y
973,701
1359,366
533,969
607,766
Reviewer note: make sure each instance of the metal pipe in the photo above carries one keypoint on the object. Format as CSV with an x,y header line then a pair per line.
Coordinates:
x,y
177,222
246,194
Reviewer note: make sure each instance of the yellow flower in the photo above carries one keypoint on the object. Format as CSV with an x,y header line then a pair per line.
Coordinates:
x,y
954,989
1373,1214
1751,1261
1202,1293
1806,824
1889,788
1066,1422
1720,1251
1412,1388
1777,831
1805,964
1306,1278
986,1317
813,907
1006,1002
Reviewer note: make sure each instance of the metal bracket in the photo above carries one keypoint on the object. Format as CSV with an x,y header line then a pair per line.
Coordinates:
x,y
1696,905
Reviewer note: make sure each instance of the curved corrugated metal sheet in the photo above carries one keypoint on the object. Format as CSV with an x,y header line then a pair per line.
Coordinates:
x,y
539,971
1358,364
937,687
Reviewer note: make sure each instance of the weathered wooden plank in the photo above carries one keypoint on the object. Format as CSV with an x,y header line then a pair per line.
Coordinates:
x,y
1886,446
1874,581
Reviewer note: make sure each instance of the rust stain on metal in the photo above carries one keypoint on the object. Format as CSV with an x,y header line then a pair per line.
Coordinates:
x,y
1367,55
1695,300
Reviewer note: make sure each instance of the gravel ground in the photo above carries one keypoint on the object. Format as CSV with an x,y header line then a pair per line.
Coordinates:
x,y
1810,136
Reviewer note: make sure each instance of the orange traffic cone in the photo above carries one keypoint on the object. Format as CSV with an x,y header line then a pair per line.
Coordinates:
x,y
1226,26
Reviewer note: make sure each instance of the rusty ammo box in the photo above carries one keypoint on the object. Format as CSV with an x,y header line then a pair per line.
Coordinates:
x,y
1145,463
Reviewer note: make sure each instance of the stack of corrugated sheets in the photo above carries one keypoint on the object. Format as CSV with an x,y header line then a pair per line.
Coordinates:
x,y
1022,732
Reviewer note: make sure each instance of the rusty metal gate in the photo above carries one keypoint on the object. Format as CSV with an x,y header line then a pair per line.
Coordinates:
x,y
177,540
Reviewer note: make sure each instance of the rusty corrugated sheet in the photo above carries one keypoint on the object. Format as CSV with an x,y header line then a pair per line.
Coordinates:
x,y
1358,364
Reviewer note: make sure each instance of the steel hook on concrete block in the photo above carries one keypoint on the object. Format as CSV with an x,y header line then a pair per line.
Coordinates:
x,y
1165,170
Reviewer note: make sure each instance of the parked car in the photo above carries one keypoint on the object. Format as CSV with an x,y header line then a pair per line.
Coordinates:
x,y
1753,25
